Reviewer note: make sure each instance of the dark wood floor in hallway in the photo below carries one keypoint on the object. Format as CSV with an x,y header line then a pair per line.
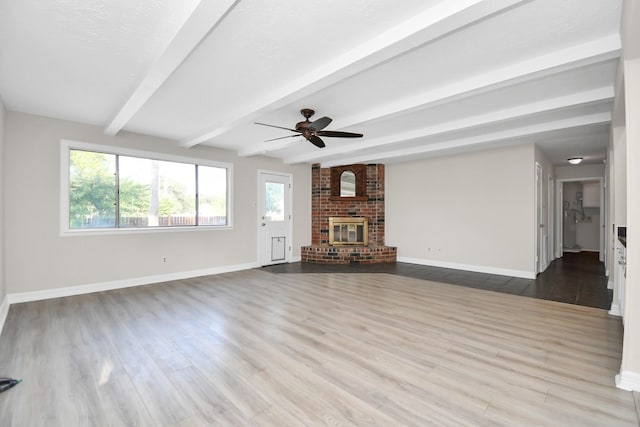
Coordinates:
x,y
576,278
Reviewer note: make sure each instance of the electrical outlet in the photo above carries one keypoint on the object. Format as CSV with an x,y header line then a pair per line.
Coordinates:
x,y
164,259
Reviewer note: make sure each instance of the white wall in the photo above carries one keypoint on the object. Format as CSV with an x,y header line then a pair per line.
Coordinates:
x,y
616,196
580,171
630,368
631,350
472,211
620,176
38,258
3,289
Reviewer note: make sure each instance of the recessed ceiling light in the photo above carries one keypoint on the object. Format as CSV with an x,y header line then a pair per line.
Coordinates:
x,y
574,160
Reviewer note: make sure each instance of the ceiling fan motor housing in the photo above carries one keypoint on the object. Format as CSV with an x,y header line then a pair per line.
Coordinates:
x,y
307,113
302,126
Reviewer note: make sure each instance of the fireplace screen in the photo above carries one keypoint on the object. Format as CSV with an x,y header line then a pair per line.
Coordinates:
x,y
348,231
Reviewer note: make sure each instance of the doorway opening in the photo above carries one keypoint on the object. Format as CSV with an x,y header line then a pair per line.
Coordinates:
x,y
580,216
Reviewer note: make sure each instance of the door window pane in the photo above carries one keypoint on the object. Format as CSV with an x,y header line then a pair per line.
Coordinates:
x,y
274,201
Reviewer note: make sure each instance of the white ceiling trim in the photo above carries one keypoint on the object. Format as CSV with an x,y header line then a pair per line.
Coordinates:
x,y
445,18
203,19
475,141
267,147
618,117
603,94
596,51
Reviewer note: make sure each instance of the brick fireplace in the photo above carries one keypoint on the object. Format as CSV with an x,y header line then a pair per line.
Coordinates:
x,y
367,202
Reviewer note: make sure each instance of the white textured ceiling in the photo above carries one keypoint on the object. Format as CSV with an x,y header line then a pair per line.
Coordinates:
x,y
418,77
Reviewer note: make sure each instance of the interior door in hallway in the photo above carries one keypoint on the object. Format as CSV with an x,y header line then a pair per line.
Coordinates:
x,y
274,218
541,235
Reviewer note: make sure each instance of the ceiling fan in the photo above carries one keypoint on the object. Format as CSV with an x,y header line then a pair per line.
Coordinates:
x,y
312,131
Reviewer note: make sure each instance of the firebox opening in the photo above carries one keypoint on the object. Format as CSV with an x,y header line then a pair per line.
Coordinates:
x,y
352,231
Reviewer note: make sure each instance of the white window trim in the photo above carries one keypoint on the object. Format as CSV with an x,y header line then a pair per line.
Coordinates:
x,y
67,145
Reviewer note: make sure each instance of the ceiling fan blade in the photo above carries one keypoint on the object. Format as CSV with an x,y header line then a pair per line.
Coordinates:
x,y
319,124
316,141
338,134
282,137
279,127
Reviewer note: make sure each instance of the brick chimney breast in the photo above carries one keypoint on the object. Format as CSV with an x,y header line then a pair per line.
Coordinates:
x,y
368,202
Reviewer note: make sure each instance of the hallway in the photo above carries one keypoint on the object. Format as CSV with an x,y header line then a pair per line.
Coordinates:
x,y
576,278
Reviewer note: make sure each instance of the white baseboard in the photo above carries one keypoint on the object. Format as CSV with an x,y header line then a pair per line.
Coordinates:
x,y
469,267
296,258
4,311
629,381
615,310
19,297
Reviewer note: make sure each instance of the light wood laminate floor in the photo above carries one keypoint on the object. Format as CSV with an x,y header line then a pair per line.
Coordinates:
x,y
253,348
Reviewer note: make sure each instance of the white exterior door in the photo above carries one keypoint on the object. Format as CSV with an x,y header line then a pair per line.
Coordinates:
x,y
274,218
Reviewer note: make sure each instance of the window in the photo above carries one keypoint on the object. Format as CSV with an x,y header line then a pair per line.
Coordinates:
x,y
349,183
134,190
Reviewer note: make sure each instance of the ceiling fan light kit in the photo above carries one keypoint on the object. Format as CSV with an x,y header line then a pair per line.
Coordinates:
x,y
313,130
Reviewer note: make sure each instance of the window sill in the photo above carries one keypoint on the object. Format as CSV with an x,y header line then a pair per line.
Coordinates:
x,y
117,231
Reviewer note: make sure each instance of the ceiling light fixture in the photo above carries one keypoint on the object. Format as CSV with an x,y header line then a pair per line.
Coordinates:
x,y
575,160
